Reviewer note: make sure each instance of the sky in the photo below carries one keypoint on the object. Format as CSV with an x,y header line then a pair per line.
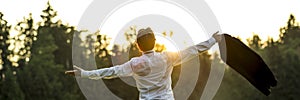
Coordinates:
x,y
241,18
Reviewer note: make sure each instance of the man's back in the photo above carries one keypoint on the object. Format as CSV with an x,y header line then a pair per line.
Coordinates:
x,y
152,71
153,76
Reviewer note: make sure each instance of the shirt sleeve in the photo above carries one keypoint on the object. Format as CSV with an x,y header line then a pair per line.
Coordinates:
x,y
108,73
175,58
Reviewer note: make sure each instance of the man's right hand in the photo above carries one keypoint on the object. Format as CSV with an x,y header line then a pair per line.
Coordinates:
x,y
76,71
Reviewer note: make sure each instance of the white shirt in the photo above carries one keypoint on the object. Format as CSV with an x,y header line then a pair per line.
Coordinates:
x,y
151,71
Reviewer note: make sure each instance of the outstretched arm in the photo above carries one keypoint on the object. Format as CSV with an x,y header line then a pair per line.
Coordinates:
x,y
104,73
193,51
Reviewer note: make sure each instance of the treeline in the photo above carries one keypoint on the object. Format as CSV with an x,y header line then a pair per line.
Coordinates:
x,y
283,58
34,56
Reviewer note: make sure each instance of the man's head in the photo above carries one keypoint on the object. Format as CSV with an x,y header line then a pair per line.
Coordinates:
x,y
145,39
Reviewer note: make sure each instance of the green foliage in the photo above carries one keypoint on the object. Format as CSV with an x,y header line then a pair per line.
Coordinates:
x,y
10,89
282,56
41,84
44,51
255,42
23,41
4,43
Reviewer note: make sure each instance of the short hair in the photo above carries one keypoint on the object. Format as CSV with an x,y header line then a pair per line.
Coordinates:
x,y
146,39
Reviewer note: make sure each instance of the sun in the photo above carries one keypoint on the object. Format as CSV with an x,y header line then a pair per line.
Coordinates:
x,y
167,42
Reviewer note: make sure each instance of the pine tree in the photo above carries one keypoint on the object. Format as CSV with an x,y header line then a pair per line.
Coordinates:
x,y
41,76
10,89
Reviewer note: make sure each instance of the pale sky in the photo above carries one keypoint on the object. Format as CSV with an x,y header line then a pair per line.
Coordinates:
x,y
237,17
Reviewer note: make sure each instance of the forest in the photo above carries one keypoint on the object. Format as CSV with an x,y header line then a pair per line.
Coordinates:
x,y
33,60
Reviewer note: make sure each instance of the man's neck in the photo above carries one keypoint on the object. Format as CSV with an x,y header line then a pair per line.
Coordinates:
x,y
147,52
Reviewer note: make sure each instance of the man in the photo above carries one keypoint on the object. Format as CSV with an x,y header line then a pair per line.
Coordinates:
x,y
151,71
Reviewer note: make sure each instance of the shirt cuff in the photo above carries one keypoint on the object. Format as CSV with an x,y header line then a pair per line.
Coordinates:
x,y
212,40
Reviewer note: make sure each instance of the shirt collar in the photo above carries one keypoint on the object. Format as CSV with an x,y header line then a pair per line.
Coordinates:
x,y
148,52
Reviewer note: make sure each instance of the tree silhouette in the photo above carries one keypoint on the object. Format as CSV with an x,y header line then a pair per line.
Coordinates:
x,y
34,56
283,58
50,56
8,79
4,43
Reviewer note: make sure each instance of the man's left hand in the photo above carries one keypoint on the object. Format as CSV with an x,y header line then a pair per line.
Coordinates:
x,y
217,36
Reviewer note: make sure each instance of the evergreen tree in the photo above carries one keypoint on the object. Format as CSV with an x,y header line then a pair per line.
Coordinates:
x,y
4,39
62,36
41,76
24,39
255,42
10,89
